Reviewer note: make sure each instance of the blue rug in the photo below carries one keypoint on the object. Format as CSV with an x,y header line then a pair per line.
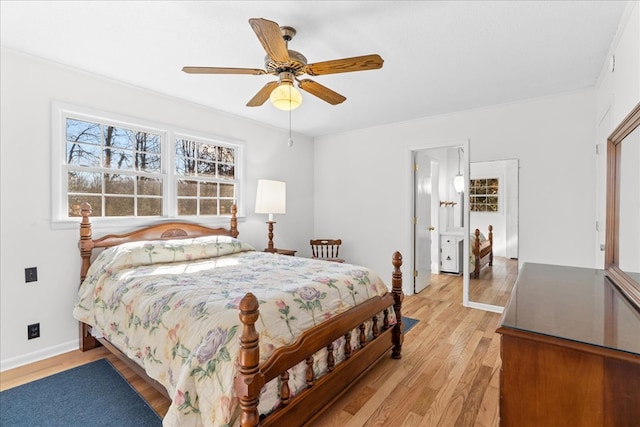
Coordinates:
x,y
408,323
90,395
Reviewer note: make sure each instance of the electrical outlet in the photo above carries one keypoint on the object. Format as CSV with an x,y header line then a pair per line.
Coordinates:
x,y
31,274
33,331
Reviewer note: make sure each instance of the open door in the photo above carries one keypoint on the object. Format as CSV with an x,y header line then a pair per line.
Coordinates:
x,y
423,181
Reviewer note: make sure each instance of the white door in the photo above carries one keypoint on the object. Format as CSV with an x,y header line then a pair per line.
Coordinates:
x,y
423,184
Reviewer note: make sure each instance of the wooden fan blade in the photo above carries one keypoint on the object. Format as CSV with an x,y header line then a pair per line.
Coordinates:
x,y
322,92
270,37
262,95
345,65
223,70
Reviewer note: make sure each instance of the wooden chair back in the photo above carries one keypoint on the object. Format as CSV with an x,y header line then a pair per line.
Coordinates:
x,y
326,249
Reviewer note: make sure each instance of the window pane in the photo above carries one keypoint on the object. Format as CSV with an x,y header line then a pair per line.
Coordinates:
x,y
149,186
119,138
208,152
83,154
147,162
226,171
187,207
149,206
84,182
117,159
185,166
187,188
225,207
118,184
227,155
75,201
186,148
208,207
227,190
148,142
206,168
208,189
118,206
80,131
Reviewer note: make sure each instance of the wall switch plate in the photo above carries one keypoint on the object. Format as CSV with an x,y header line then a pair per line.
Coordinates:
x,y
31,274
33,331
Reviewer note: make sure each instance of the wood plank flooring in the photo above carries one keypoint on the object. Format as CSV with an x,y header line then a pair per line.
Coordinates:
x,y
448,374
495,283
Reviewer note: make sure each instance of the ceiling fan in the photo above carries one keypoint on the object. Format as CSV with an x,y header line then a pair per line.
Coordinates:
x,y
288,65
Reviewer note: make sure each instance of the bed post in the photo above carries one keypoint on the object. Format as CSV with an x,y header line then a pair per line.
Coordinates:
x,y
398,296
87,341
85,245
491,242
249,381
476,251
234,221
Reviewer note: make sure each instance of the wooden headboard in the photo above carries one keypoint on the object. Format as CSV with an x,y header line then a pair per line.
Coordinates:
x,y
160,231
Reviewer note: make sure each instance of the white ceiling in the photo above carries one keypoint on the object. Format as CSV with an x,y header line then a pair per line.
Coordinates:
x,y
439,56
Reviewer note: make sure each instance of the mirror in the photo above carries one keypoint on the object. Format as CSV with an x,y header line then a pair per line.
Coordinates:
x,y
622,248
493,201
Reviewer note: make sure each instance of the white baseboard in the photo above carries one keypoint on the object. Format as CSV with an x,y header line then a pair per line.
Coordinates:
x,y
485,307
37,356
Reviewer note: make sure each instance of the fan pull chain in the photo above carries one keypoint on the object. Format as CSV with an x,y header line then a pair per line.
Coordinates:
x,y
290,140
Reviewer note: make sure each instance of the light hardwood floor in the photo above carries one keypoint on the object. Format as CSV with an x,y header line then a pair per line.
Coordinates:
x,y
495,283
448,374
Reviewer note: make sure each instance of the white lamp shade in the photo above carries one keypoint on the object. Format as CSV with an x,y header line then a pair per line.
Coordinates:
x,y
271,197
286,97
458,183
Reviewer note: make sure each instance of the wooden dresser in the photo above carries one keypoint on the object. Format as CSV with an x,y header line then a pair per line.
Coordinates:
x,y
570,351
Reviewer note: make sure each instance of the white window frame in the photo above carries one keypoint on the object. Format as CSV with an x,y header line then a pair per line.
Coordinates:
x,y
169,134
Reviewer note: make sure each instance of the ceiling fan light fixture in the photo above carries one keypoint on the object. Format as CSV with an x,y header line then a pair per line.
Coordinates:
x,y
286,97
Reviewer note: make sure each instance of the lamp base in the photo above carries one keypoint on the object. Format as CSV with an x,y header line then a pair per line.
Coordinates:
x,y
270,247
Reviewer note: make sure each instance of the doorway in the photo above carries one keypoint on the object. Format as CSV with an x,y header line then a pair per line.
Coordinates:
x,y
438,211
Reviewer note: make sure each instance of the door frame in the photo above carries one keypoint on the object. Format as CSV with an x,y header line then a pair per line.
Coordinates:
x,y
464,143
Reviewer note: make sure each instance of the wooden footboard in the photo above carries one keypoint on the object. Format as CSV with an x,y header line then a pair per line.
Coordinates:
x,y
323,391
482,251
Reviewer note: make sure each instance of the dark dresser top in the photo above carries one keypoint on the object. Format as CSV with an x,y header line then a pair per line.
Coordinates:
x,y
573,303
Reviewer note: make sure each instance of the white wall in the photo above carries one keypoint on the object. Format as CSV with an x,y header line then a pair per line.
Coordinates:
x,y
363,187
27,239
617,92
553,138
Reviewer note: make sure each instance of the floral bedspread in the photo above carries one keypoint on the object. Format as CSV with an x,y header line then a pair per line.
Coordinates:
x,y
173,307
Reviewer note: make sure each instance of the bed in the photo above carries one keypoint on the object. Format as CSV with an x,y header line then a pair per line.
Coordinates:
x,y
481,250
233,336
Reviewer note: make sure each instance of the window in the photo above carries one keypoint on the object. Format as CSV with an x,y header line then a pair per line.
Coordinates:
x,y
116,169
206,177
483,195
126,169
